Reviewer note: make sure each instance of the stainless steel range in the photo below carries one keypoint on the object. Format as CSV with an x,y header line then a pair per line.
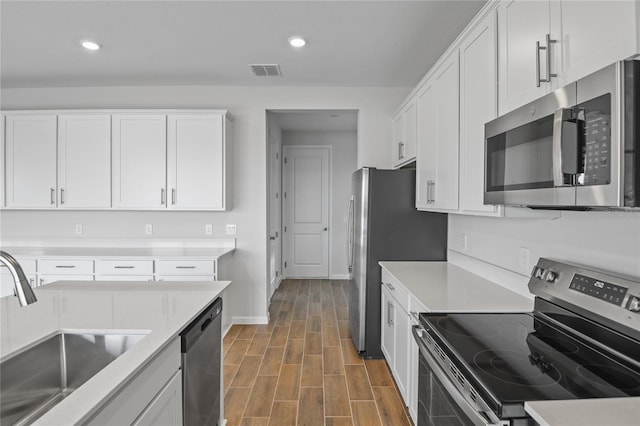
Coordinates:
x,y
581,341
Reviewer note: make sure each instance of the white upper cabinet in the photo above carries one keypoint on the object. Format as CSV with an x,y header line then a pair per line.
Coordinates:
x,y
84,161
31,143
404,135
139,160
594,34
545,45
478,105
438,144
523,26
196,161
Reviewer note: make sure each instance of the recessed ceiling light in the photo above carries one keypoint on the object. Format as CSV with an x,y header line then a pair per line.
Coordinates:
x,y
297,41
90,45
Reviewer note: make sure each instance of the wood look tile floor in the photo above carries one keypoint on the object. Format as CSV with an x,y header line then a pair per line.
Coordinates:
x,y
302,368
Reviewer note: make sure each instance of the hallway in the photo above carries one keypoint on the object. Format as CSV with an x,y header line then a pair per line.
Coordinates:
x,y
302,368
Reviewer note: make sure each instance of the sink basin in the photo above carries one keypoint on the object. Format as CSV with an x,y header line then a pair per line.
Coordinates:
x,y
35,379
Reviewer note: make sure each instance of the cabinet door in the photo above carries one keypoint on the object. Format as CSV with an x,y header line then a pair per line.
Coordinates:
x,y
84,161
398,139
403,340
387,337
166,407
522,24
426,156
478,105
410,131
595,34
444,191
31,160
196,161
139,161
438,139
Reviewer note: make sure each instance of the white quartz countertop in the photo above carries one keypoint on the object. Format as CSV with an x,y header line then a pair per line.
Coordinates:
x,y
107,253
586,412
161,309
441,286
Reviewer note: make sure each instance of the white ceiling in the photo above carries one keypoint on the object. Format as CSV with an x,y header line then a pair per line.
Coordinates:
x,y
189,42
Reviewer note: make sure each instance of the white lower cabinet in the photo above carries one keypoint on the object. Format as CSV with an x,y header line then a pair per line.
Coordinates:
x,y
151,396
411,399
166,407
395,331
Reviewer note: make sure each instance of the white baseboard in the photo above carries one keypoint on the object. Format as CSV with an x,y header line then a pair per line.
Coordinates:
x,y
339,277
250,320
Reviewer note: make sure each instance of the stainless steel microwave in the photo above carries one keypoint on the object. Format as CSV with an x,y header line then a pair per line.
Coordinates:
x,y
576,147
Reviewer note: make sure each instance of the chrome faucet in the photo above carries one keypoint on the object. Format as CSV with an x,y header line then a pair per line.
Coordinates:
x,y
22,288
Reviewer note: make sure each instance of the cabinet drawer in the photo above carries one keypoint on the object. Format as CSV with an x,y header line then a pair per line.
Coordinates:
x,y
124,267
28,266
65,266
185,267
397,290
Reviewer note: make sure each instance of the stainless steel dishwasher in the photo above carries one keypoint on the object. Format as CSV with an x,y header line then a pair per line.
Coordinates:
x,y
201,367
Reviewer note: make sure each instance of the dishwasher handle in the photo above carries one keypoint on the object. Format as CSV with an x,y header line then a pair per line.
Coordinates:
x,y
199,326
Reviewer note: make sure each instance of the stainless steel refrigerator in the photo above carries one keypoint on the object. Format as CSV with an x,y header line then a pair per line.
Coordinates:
x,y
383,224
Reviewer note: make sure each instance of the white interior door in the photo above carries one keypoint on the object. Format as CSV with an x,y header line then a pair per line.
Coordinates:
x,y
306,212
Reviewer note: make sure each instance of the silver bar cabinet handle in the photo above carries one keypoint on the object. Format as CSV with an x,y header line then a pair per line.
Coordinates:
x,y
538,49
173,195
53,196
549,42
162,196
61,195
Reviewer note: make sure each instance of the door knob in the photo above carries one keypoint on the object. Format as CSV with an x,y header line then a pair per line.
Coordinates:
x,y
271,237
325,229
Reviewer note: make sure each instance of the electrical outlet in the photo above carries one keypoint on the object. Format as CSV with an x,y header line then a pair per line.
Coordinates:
x,y
148,229
79,229
231,230
208,229
525,254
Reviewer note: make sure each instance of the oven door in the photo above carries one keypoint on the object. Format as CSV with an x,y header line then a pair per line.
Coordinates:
x,y
439,401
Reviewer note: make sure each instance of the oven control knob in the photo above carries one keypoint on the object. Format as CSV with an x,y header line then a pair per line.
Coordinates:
x,y
550,276
538,272
634,304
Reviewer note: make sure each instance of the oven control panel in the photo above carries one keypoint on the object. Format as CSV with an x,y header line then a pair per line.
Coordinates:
x,y
602,290
599,295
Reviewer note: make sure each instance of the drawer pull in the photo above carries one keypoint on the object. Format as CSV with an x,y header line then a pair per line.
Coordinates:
x,y
185,267
66,266
124,267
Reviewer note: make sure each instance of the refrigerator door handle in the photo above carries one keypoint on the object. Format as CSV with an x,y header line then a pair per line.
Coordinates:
x,y
350,236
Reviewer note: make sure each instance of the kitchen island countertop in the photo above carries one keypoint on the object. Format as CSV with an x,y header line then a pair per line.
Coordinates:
x,y
161,309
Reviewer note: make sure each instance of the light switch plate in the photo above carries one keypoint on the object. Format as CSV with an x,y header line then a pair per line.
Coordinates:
x,y
231,229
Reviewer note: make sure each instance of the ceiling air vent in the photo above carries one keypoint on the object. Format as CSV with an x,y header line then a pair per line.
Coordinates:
x,y
266,70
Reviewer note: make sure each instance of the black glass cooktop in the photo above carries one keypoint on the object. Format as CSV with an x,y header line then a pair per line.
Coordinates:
x,y
524,357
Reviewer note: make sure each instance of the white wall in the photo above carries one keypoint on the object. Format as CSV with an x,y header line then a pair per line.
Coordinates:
x,y
343,148
248,295
603,240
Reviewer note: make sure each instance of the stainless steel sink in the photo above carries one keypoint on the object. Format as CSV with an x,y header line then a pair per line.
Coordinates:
x,y
35,379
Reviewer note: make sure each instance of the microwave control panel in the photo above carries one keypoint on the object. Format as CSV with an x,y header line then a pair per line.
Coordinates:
x,y
596,155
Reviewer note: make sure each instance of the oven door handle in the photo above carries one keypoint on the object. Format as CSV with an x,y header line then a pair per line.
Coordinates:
x,y
478,418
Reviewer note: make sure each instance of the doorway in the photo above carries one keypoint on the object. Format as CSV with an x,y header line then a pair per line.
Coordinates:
x,y
335,131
